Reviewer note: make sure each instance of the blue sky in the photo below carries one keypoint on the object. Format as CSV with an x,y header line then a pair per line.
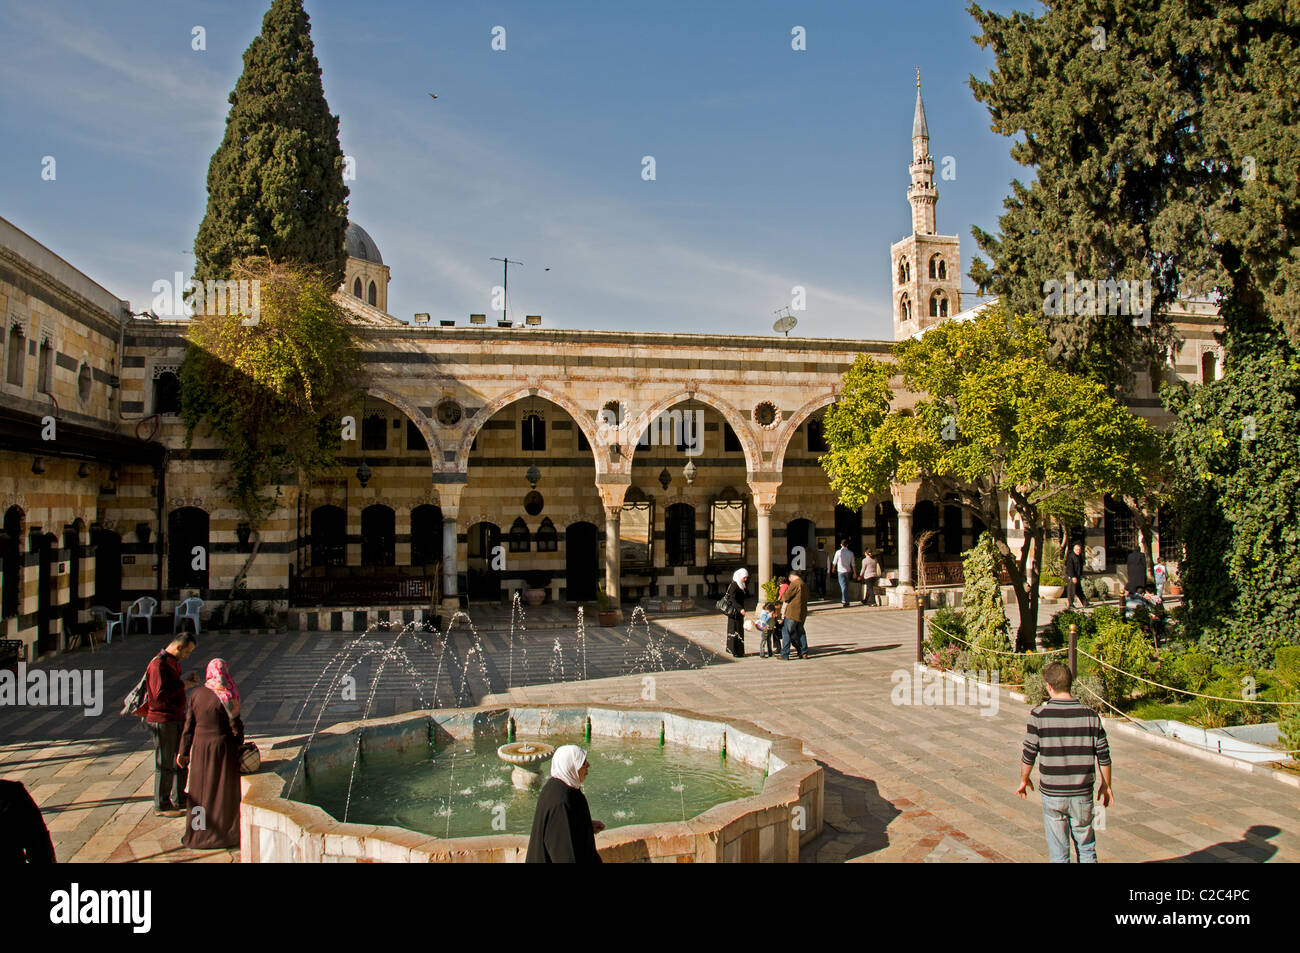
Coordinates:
x,y
774,168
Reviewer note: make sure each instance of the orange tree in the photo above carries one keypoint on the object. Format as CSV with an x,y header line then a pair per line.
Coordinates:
x,y
996,420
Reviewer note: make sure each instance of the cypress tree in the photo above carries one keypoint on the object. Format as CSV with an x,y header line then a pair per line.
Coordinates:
x,y
275,184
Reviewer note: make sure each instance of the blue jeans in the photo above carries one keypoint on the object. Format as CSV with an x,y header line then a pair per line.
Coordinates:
x,y
844,587
1067,819
793,631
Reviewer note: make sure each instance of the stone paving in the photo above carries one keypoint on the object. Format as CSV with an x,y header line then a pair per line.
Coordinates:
x,y
903,783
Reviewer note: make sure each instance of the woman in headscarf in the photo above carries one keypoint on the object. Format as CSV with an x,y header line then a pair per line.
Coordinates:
x,y
736,617
563,831
210,749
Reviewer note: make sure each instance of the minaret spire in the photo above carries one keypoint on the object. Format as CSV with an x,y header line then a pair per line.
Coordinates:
x,y
922,194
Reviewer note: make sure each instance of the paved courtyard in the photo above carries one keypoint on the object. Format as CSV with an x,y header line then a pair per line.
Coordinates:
x,y
903,783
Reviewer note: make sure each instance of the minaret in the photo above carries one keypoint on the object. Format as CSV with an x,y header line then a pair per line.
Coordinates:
x,y
926,267
922,194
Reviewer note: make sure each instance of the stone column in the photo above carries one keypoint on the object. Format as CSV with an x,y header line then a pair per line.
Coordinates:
x,y
611,498
904,496
613,571
450,564
449,504
764,502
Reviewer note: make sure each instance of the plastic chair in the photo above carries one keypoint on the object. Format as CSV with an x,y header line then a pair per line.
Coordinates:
x,y
142,608
189,609
110,619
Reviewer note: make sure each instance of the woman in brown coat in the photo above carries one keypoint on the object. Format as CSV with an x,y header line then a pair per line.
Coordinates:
x,y
210,749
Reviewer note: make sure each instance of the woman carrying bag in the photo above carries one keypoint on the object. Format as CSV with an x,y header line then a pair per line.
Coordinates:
x,y
735,600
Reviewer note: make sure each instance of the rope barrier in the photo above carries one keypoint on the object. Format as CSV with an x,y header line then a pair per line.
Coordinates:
x,y
1170,688
955,638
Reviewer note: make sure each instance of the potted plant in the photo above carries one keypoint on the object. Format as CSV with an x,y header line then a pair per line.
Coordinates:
x,y
1050,586
1174,586
535,584
605,607
770,590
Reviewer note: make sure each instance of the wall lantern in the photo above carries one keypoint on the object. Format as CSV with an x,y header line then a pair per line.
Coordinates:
x,y
38,465
363,473
689,472
533,475
665,478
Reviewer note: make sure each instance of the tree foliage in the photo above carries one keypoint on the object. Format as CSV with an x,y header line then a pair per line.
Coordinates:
x,y
263,389
983,615
1237,443
275,184
994,419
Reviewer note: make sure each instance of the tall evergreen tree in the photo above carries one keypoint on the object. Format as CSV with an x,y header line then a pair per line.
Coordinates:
x,y
275,185
1167,132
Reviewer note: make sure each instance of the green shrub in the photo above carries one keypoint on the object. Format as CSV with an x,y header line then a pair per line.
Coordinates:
x,y
944,624
1051,580
1286,666
1035,689
987,626
1198,669
1125,647
1089,691
1289,727
1061,622
1095,588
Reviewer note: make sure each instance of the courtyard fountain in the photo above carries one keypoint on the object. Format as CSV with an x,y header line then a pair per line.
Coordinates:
x,y
438,773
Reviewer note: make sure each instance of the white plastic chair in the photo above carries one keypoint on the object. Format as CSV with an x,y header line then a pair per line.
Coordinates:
x,y
189,609
142,608
110,619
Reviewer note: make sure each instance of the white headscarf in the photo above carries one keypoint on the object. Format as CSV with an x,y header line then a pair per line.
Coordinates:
x,y
740,577
566,763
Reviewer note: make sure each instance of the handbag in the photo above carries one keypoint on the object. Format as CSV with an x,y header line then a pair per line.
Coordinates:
x,y
725,606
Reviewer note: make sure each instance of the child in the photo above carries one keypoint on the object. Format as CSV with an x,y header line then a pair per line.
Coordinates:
x,y
769,627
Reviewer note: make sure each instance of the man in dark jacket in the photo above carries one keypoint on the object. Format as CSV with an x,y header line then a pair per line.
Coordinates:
x,y
164,717
24,838
795,610
1074,577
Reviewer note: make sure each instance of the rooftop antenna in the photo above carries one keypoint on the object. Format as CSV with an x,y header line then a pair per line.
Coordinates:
x,y
785,321
505,285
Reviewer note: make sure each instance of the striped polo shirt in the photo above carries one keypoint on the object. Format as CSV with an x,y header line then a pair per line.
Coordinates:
x,y
1067,738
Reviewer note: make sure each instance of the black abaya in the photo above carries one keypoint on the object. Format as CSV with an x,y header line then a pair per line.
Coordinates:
x,y
562,831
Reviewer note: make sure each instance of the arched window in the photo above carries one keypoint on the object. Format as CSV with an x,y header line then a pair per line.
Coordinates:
x,y
374,432
534,432
520,539
727,525
17,357
939,305
904,306
187,548
11,562
938,267
167,393
45,368
679,534
378,535
329,541
1209,367
548,540
372,296
904,271
356,288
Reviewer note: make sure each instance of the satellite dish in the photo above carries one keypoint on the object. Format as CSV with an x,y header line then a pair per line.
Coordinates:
x,y
785,325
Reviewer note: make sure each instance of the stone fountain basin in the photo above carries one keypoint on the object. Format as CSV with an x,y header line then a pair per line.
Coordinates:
x,y
770,826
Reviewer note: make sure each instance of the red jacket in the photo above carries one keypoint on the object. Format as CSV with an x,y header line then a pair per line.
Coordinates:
x,y
166,690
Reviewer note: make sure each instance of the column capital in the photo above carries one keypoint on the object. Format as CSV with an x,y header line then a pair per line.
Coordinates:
x,y
764,496
611,496
905,495
449,495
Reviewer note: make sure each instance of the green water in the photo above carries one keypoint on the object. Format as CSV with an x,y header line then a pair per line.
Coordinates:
x,y
465,791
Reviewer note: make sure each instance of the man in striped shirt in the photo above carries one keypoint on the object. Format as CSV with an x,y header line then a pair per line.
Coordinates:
x,y
1066,737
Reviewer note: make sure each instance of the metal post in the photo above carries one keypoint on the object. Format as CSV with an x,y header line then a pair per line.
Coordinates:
x,y
1074,639
920,627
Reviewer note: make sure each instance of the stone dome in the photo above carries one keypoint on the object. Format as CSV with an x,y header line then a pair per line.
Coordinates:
x,y
359,244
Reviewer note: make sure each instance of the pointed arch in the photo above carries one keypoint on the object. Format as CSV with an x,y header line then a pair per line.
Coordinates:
x,y
416,416
494,406
792,425
739,422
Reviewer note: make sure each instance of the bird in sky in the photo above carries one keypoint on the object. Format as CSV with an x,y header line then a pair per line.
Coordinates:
x,y
433,95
